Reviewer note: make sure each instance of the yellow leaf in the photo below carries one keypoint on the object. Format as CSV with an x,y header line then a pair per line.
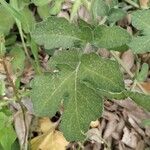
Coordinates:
x,y
46,125
53,140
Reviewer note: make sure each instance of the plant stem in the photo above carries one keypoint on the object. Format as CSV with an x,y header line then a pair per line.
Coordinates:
x,y
24,147
22,39
128,71
132,3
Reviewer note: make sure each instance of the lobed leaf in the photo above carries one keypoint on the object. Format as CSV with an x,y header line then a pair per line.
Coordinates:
x,y
69,85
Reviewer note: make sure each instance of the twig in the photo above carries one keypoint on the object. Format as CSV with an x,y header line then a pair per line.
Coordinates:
x,y
18,99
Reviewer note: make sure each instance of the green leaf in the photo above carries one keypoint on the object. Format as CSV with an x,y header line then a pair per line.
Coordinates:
x,y
141,21
6,20
99,8
23,3
112,38
41,2
146,122
56,7
57,32
43,11
28,22
115,15
140,44
140,99
142,76
18,59
7,133
68,84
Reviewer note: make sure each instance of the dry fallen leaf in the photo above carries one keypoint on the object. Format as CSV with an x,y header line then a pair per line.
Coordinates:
x,y
21,127
46,125
128,59
51,139
146,86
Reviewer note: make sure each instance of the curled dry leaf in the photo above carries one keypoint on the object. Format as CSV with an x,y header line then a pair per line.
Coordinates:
x,y
22,127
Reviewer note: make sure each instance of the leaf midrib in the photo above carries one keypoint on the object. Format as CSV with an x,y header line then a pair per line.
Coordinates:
x,y
76,78
61,36
60,85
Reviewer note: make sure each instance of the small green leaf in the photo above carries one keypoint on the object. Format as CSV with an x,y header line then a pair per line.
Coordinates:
x,y
6,20
57,32
112,38
140,44
10,40
140,99
18,59
43,11
7,133
141,77
141,21
41,2
56,7
99,8
68,84
115,15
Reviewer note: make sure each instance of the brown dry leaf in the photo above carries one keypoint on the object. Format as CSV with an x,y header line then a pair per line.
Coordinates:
x,y
22,127
110,128
146,86
129,138
128,59
53,140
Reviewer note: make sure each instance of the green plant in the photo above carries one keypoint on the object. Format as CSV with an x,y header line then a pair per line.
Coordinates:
x,y
76,80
